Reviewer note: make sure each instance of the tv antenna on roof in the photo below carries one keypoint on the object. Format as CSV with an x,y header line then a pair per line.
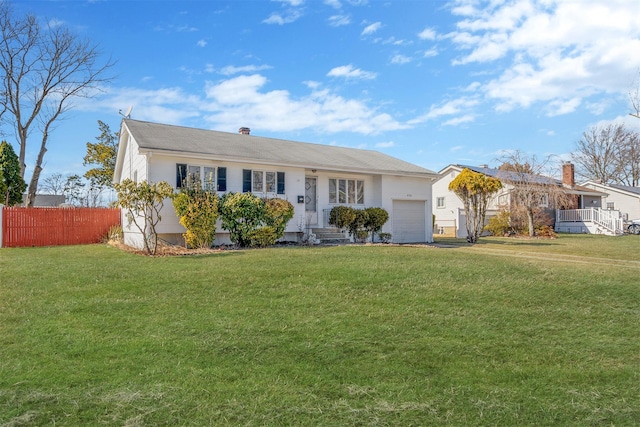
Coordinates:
x,y
127,114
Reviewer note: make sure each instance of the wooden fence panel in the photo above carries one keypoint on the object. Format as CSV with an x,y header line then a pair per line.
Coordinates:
x,y
56,226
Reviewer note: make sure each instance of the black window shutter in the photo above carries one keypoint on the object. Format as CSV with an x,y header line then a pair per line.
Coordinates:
x,y
222,179
181,174
246,180
280,181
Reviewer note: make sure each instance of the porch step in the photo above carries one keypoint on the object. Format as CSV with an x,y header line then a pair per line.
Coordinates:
x,y
330,235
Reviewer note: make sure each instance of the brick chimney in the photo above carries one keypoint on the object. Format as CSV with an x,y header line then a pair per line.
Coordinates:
x,y
244,131
568,175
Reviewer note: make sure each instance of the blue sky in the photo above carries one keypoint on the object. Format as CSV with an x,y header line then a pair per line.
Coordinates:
x,y
429,82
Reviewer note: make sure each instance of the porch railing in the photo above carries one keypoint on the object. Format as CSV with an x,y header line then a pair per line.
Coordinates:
x,y
608,219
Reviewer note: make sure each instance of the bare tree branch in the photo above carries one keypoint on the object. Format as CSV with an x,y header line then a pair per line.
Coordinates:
x,y
42,71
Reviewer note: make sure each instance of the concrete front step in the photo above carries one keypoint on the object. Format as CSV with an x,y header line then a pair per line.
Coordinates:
x,y
330,235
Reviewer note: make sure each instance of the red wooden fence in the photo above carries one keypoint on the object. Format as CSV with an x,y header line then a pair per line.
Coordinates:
x,y
56,226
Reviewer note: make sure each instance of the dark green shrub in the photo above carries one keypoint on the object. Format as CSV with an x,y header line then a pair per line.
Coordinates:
x,y
241,215
384,237
358,225
376,219
342,216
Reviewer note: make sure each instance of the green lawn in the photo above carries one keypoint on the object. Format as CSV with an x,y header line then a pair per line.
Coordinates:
x,y
506,332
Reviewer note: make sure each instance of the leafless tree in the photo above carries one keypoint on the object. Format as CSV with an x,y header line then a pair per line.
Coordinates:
x,y
634,98
42,70
602,153
530,189
630,161
53,184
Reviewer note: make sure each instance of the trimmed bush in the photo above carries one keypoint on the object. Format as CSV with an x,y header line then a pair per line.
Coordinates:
x,y
198,212
342,216
278,212
376,219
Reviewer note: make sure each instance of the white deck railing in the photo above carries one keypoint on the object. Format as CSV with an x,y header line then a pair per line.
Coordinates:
x,y
609,220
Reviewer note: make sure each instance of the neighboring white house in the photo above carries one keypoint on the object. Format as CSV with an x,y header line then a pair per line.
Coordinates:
x,y
448,209
619,197
313,177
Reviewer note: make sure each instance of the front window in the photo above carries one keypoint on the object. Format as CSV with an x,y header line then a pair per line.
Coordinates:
x,y
611,206
209,178
349,191
258,181
270,181
440,202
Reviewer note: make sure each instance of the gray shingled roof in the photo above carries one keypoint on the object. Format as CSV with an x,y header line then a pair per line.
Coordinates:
x,y
250,148
634,190
531,178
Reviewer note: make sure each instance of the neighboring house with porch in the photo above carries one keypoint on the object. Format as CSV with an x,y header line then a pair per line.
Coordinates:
x,y
313,177
619,197
449,210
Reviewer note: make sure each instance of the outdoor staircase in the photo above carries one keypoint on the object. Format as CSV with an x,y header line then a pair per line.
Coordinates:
x,y
330,236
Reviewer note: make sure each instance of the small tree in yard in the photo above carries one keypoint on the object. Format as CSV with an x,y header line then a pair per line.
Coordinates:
x,y
475,190
376,219
11,183
102,154
198,212
143,202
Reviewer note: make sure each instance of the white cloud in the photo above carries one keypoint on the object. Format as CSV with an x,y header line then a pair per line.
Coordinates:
x,y
387,144
561,53
449,108
427,34
400,59
333,3
231,69
288,17
347,71
339,20
293,3
167,105
467,118
430,53
53,23
201,43
242,100
371,29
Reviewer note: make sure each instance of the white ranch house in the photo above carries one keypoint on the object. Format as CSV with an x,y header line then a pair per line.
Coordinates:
x,y
313,177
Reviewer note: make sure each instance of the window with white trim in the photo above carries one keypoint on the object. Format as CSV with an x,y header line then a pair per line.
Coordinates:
x,y
346,191
209,178
258,181
440,202
544,200
611,206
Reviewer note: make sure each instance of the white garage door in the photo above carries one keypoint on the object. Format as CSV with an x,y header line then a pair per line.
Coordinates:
x,y
409,221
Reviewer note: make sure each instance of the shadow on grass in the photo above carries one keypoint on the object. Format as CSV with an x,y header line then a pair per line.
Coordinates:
x,y
506,241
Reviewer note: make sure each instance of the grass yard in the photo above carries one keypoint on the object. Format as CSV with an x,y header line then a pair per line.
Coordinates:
x,y
506,332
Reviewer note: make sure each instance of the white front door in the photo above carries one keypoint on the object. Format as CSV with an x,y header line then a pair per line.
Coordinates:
x,y
310,200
